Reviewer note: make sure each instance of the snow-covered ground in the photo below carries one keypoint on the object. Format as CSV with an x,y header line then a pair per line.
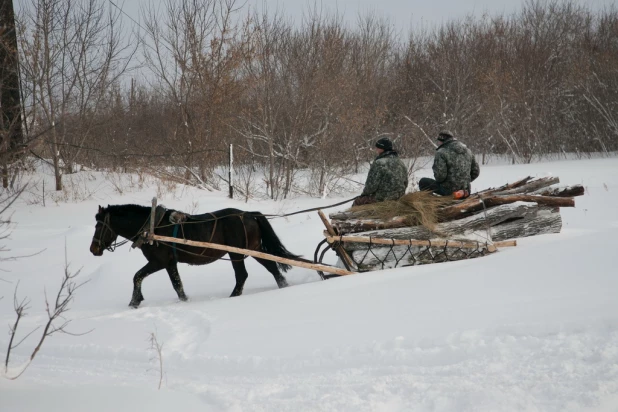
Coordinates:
x,y
531,328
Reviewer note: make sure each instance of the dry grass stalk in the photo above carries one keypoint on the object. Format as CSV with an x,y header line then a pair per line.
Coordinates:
x,y
418,208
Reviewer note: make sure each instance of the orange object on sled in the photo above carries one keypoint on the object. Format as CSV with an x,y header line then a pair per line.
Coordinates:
x,y
460,194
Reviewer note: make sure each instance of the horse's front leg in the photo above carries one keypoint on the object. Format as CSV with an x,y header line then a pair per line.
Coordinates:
x,y
172,271
137,297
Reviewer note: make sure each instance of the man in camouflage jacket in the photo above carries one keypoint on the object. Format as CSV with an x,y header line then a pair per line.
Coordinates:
x,y
454,167
387,178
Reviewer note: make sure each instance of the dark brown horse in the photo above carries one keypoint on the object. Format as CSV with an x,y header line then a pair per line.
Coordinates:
x,y
232,227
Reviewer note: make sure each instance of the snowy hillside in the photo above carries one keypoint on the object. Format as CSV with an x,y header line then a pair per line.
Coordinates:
x,y
531,328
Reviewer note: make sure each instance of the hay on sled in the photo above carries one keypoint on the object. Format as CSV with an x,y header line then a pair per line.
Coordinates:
x,y
415,209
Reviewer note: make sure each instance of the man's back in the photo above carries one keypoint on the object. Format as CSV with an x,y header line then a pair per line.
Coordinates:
x,y
388,178
454,166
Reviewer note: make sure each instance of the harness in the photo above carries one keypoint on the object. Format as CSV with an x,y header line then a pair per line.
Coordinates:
x,y
107,228
174,249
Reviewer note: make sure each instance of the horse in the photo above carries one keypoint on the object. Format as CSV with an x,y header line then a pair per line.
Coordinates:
x,y
232,227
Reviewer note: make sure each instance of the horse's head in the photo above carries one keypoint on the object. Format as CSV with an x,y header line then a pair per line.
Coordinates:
x,y
104,236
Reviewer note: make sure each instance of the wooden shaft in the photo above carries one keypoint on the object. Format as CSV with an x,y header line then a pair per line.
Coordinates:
x,y
397,242
339,249
254,253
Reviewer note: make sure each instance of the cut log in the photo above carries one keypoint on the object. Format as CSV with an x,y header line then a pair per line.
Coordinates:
x,y
362,225
398,256
457,229
529,187
518,183
539,222
507,186
469,207
561,191
545,221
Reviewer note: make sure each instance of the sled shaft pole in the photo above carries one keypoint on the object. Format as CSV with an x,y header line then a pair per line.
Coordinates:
x,y
254,253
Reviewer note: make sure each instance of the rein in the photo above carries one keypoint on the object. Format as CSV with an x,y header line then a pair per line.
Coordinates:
x,y
310,210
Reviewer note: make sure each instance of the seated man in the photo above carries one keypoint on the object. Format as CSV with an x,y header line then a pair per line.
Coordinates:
x,y
454,167
387,178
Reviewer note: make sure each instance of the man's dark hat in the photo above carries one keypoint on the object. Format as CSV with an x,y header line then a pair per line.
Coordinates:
x,y
445,135
385,144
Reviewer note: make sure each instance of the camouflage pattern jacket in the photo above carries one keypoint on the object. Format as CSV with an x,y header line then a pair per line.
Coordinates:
x,y
387,178
454,167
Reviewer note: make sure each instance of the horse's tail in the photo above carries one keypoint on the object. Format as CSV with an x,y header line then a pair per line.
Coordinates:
x,y
271,243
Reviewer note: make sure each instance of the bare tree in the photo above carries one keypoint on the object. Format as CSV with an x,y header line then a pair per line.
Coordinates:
x,y
72,53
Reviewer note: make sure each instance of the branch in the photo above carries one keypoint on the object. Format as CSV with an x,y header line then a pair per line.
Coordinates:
x,y
421,129
158,348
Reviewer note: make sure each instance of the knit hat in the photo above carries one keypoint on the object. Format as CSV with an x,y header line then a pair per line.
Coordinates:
x,y
445,135
385,144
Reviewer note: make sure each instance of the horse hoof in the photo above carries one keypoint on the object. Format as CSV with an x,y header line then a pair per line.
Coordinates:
x,y
183,298
134,305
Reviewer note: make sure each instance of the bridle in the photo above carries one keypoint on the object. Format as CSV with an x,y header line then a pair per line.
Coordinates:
x,y
104,230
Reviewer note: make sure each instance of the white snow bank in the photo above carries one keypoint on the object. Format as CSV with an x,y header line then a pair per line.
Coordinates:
x,y
530,328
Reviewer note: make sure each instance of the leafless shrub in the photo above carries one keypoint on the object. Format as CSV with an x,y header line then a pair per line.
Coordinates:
x,y
57,322
157,348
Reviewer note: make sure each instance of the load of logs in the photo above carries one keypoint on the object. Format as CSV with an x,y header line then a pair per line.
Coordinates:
x,y
524,208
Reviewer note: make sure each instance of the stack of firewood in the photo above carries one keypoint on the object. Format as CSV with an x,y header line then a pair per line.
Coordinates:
x,y
527,207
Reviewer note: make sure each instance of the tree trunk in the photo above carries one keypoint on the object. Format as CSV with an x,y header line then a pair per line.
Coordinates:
x,y
56,159
11,134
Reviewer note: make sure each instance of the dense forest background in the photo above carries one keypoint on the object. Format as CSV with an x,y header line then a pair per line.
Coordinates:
x,y
172,92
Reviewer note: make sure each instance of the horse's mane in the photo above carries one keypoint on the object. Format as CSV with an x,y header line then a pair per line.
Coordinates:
x,y
125,210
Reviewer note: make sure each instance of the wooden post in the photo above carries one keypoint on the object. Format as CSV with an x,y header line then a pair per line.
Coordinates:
x,y
153,212
231,172
254,253
340,250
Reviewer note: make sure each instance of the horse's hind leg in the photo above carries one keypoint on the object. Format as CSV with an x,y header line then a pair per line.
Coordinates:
x,y
172,271
139,277
241,273
272,268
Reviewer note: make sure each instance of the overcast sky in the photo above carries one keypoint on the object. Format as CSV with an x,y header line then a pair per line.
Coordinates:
x,y
404,14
